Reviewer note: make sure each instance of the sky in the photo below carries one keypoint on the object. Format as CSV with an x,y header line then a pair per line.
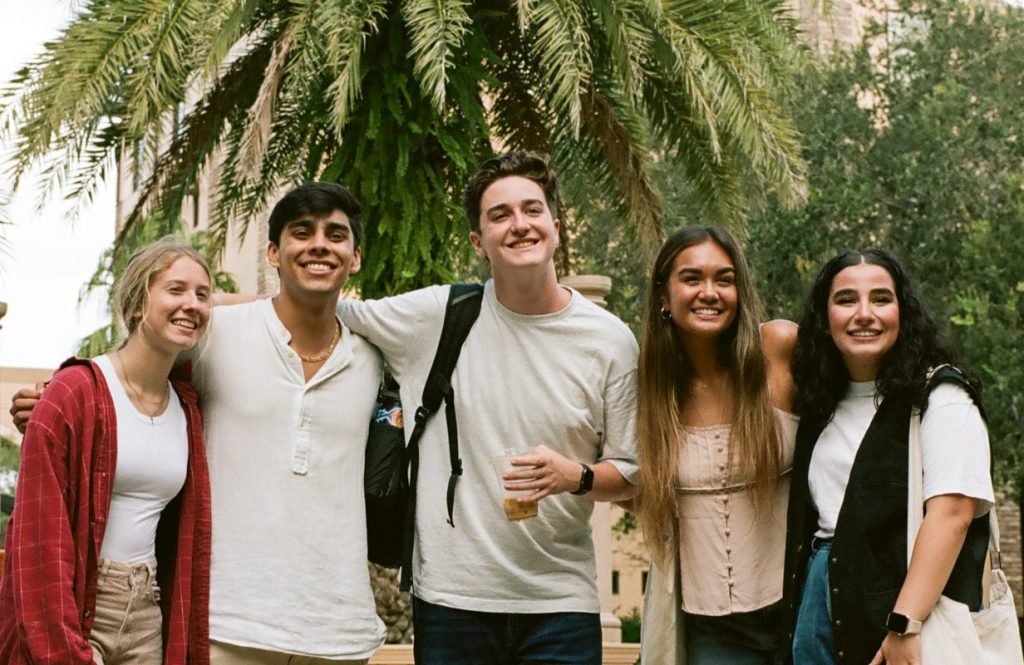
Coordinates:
x,y
47,258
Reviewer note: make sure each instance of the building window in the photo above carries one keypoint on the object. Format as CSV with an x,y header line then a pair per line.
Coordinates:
x,y
643,582
615,582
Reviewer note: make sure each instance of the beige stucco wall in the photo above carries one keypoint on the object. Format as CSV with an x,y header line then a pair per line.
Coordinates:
x,y
12,379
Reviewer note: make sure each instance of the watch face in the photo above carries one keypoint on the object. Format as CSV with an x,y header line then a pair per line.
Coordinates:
x,y
897,623
588,478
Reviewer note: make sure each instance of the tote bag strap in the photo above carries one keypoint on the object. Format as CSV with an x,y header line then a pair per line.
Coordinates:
x,y
915,496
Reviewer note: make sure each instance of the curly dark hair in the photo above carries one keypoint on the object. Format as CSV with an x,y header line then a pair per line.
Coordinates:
x,y
819,373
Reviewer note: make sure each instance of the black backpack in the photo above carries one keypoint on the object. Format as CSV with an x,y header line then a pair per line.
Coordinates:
x,y
389,477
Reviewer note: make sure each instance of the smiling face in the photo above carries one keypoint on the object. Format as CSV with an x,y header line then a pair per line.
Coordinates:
x,y
517,230
863,318
177,308
701,290
315,256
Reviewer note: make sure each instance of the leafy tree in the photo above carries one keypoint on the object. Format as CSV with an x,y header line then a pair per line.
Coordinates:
x,y
913,143
401,100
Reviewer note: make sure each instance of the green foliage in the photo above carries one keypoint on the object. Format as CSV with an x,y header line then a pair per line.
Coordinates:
x,y
402,99
9,457
631,627
626,524
920,151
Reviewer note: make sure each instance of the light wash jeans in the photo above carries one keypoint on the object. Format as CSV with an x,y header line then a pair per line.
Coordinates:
x,y
812,638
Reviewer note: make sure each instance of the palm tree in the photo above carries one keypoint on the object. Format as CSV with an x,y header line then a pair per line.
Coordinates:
x,y
401,99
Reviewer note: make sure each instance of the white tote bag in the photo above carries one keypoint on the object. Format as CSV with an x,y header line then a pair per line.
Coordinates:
x,y
952,634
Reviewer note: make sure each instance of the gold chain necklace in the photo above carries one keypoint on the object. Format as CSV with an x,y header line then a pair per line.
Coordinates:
x,y
138,396
330,349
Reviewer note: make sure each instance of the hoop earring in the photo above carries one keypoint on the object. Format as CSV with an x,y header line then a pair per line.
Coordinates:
x,y
665,314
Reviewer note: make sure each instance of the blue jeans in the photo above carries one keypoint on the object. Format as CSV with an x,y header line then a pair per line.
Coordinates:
x,y
447,636
812,638
743,638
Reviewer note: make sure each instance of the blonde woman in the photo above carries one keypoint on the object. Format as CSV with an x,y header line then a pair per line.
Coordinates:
x,y
108,547
716,441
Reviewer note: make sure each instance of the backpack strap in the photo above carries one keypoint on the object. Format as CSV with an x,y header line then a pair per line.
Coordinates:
x,y
949,374
460,313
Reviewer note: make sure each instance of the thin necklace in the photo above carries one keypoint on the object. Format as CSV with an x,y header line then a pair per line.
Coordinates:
x,y
138,397
330,349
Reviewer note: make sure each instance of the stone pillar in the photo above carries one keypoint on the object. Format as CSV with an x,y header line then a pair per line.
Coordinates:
x,y
595,288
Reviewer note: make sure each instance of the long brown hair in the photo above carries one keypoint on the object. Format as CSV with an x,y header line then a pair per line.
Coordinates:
x,y
665,374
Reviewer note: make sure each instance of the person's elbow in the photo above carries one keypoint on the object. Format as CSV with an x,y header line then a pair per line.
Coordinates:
x,y
954,511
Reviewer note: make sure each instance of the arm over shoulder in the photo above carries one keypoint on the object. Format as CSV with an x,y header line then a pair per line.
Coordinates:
x,y
779,340
400,325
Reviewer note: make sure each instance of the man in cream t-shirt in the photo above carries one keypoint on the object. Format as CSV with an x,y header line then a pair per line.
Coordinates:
x,y
543,370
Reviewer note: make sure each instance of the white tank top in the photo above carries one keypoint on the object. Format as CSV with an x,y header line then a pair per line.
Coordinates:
x,y
152,459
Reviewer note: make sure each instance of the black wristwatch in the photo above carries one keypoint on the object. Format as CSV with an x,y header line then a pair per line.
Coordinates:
x,y
586,480
901,624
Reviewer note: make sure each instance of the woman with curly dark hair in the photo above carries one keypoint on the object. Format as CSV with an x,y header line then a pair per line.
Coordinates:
x,y
867,354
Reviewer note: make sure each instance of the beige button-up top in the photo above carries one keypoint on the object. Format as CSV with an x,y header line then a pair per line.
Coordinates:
x,y
731,557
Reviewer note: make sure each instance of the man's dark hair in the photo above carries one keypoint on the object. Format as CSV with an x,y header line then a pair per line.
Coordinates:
x,y
534,166
317,199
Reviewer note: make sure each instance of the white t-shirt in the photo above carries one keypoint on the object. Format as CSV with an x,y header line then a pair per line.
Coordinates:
x,y
566,380
954,450
288,566
152,460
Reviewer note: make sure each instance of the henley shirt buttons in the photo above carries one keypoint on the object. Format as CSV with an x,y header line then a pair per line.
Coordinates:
x,y
834,560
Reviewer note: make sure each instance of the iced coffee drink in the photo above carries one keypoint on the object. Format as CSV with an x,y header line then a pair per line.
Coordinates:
x,y
515,510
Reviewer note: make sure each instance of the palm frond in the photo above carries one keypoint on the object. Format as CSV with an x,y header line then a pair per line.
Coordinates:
x,y
257,133
437,29
348,27
561,45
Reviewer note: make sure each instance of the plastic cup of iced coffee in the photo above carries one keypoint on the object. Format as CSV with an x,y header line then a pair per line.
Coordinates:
x,y
515,510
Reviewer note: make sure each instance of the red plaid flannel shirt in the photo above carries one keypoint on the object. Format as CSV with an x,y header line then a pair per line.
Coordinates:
x,y
68,459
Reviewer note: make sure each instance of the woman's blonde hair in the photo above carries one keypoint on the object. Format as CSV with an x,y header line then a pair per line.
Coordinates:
x,y
130,297
664,377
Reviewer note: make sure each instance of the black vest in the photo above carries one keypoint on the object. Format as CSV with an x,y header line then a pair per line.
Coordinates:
x,y
868,561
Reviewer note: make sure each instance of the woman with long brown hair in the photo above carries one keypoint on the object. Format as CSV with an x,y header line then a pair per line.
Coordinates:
x,y
716,441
